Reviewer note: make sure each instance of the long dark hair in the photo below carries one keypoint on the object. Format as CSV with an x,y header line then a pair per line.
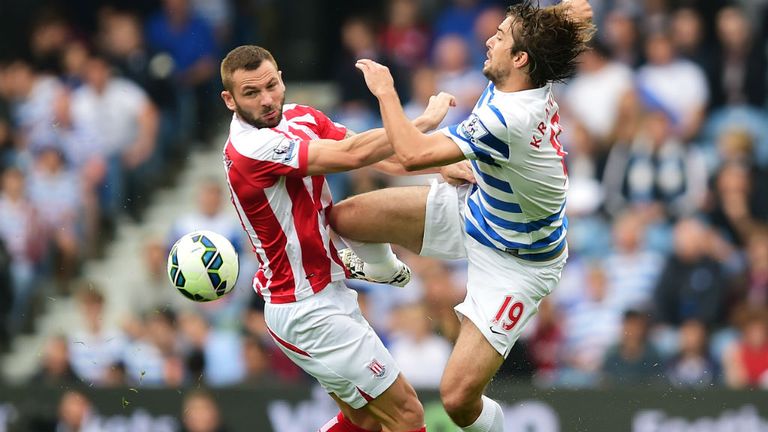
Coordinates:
x,y
552,38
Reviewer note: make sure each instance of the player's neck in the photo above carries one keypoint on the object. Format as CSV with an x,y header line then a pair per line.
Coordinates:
x,y
514,83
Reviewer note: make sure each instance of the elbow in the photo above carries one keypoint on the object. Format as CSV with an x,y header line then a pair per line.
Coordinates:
x,y
411,163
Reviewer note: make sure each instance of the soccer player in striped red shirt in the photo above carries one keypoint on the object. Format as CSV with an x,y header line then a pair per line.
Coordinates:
x,y
275,159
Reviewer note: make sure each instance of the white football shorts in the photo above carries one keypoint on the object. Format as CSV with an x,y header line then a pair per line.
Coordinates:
x,y
503,291
327,336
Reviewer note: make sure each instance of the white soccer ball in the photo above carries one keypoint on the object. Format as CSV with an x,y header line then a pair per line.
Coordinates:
x,y
203,266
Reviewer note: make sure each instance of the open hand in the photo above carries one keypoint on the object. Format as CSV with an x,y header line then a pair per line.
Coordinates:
x,y
377,77
438,107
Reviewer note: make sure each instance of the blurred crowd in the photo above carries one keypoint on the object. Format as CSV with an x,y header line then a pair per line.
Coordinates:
x,y
665,128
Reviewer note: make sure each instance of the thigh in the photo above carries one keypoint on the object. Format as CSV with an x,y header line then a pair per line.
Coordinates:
x,y
327,336
392,215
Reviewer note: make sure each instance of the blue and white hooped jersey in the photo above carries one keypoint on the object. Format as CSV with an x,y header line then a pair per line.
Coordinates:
x,y
518,203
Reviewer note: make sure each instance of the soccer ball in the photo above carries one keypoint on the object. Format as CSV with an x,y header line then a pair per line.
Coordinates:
x,y
203,266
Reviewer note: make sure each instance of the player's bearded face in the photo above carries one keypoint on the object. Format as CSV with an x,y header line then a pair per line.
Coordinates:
x,y
260,96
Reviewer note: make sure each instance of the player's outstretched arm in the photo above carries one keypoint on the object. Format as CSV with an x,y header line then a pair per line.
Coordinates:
x,y
359,150
414,149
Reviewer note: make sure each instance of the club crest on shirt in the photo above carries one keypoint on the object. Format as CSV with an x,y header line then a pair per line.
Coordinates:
x,y
284,150
473,128
378,369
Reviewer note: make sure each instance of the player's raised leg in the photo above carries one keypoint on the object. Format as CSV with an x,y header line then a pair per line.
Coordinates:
x,y
393,215
469,370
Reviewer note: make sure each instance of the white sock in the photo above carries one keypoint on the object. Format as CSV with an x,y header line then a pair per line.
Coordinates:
x,y
380,261
491,418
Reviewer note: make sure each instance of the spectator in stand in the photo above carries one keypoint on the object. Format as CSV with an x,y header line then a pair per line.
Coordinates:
x,y
623,37
357,105
6,128
49,36
655,173
76,413
405,39
633,361
123,41
420,354
594,95
590,327
20,233
545,345
687,36
752,287
734,207
157,342
456,75
632,268
736,204
200,413
94,347
738,70
423,86
190,42
257,363
34,97
745,363
214,348
692,366
677,86
444,286
692,284
55,194
55,370
122,122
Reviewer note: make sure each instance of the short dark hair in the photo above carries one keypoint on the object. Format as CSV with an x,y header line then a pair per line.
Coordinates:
x,y
248,57
552,38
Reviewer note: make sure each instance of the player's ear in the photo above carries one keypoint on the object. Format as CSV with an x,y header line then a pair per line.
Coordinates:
x,y
229,101
520,59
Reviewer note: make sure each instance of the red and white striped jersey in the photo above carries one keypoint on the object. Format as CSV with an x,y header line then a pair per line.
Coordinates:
x,y
283,211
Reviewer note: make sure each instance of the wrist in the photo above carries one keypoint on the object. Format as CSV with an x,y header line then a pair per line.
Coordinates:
x,y
423,123
387,95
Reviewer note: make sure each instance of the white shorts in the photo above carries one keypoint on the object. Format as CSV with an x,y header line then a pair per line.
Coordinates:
x,y
503,291
327,336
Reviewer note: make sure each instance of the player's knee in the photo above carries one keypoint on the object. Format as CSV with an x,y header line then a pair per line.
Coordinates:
x,y
458,398
342,214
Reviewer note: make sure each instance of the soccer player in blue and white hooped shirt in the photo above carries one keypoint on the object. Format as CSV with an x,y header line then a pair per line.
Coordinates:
x,y
510,224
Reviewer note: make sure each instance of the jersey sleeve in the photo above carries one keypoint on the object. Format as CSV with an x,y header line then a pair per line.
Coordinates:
x,y
266,153
483,136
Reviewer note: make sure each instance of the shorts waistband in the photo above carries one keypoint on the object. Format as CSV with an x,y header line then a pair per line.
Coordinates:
x,y
539,257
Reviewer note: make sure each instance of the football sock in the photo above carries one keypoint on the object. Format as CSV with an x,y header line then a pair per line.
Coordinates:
x,y
341,424
491,418
380,261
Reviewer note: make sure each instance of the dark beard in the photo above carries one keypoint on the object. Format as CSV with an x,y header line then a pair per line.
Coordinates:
x,y
259,123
